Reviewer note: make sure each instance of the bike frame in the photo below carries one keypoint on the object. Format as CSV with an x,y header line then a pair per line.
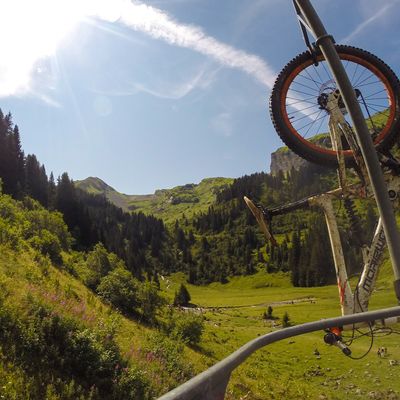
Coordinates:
x,y
350,302
304,27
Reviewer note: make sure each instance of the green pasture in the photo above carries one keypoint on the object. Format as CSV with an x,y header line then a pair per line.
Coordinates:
x,y
289,369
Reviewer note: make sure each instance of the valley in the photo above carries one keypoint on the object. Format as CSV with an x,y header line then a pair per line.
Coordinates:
x,y
90,290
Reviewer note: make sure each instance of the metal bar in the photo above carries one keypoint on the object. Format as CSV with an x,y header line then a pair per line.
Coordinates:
x,y
296,205
211,384
326,44
303,27
345,294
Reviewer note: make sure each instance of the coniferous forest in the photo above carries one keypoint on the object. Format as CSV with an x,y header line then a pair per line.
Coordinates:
x,y
211,246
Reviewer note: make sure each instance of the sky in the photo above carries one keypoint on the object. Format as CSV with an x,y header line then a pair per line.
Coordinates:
x,y
153,94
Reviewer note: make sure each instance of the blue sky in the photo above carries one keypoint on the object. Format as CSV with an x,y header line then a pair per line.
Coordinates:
x,y
153,94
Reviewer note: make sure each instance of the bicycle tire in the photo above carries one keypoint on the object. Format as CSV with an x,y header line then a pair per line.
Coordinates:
x,y
321,152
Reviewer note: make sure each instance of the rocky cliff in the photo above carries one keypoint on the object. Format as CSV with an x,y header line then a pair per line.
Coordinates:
x,y
284,160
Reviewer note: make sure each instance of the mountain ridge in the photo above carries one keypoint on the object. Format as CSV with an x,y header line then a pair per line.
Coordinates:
x,y
168,204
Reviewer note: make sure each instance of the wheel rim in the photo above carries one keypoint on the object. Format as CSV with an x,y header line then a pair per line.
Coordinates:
x,y
308,123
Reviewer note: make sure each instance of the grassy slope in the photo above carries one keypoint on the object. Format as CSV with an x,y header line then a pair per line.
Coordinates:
x,y
289,369
168,204
24,277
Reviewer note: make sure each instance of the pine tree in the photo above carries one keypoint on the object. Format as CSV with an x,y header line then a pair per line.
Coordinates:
x,y
36,180
294,258
16,164
51,192
268,313
286,320
67,202
182,297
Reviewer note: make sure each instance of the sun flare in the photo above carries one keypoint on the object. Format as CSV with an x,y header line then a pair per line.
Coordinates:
x,y
33,30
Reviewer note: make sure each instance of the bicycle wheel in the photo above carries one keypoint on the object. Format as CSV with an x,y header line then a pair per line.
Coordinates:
x,y
298,111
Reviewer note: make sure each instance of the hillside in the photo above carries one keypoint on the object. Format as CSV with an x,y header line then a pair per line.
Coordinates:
x,y
77,325
168,204
96,186
76,343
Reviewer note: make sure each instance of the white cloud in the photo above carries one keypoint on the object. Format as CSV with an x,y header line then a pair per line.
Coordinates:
x,y
48,100
35,29
159,25
167,90
202,78
366,23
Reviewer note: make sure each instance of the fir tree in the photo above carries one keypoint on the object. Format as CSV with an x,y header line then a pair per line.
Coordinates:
x,y
182,297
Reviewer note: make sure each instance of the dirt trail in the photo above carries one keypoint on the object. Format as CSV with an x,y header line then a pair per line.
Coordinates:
x,y
275,303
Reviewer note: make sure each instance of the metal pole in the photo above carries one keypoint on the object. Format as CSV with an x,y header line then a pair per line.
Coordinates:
x,y
345,294
326,44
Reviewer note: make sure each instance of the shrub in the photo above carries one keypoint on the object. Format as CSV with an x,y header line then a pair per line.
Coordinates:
x,y
48,244
190,328
150,301
268,314
120,289
286,320
132,384
187,327
169,351
56,349
98,265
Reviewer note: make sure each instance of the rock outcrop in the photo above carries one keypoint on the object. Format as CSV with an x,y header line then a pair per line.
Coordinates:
x,y
284,160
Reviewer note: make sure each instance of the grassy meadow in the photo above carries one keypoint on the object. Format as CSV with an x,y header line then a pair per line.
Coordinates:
x,y
289,369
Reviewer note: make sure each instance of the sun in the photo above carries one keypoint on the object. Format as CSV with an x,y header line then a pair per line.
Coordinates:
x,y
31,30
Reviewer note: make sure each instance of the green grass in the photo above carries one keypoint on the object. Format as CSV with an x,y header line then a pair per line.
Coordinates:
x,y
289,369
233,312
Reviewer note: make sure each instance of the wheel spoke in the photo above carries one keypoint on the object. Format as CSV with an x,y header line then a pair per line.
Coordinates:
x,y
318,131
373,94
311,86
326,71
300,100
311,80
367,84
360,76
312,122
302,110
372,104
316,83
308,115
299,91
354,72
308,130
308,87
364,80
316,70
375,109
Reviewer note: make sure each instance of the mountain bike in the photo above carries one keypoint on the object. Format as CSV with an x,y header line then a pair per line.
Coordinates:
x,y
310,116
350,301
